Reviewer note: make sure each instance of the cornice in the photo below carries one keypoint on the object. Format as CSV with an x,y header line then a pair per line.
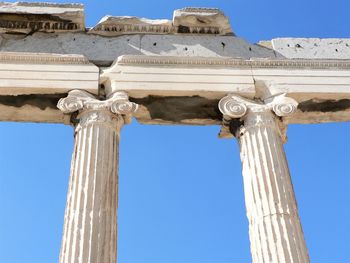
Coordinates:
x,y
233,62
41,58
132,29
21,25
46,4
121,29
27,18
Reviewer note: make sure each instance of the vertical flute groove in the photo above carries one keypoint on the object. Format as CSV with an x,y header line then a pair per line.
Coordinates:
x,y
274,225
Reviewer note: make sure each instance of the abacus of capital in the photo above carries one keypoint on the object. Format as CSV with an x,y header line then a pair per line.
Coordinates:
x,y
188,70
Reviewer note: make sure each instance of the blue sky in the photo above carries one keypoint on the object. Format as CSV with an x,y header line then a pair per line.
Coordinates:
x,y
181,193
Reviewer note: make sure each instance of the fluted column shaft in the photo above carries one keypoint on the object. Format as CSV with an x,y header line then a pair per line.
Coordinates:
x,y
274,226
90,224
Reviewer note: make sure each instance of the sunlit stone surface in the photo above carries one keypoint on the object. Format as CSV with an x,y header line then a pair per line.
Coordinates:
x,y
274,225
24,17
190,70
90,223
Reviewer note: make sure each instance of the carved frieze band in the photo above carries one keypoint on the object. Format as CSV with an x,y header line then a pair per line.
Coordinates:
x,y
155,29
39,25
28,18
132,28
94,110
41,58
235,106
233,62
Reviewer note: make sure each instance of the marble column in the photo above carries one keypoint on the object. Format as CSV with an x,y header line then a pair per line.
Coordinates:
x,y
90,223
274,226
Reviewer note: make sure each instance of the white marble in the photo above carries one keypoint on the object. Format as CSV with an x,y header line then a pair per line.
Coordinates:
x,y
26,17
90,224
201,21
274,226
104,50
40,73
312,48
123,25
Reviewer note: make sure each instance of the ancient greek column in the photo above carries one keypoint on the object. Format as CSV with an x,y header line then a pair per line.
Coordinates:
x,y
274,226
90,223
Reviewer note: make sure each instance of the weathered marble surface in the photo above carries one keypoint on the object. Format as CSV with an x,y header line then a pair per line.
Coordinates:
x,y
322,92
201,20
185,21
90,222
154,82
26,18
274,225
104,50
312,48
123,25
40,73
320,87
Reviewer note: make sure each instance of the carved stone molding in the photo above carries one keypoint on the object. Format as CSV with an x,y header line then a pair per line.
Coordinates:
x,y
26,18
235,106
24,73
119,25
235,62
201,21
41,58
84,102
78,99
254,113
185,21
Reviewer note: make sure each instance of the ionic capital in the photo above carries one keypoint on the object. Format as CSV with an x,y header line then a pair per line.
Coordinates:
x,y
78,100
97,110
234,106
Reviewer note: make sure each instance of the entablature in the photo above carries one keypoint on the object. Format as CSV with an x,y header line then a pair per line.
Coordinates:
x,y
173,90
176,70
321,87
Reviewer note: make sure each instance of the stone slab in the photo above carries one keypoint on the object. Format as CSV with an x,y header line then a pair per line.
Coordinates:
x,y
312,48
102,51
38,73
212,78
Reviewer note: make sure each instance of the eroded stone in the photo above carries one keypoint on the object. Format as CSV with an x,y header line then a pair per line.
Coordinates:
x,y
201,21
104,50
121,25
22,17
312,48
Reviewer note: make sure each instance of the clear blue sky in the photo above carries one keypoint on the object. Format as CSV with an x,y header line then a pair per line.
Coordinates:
x,y
181,194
